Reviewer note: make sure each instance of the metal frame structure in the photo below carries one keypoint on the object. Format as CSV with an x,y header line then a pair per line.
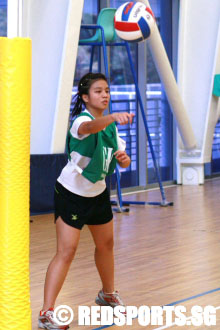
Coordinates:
x,y
104,44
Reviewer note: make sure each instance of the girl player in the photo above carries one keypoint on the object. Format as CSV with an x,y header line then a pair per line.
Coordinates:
x,y
81,197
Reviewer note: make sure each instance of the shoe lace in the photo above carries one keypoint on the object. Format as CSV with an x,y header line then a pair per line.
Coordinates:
x,y
118,299
114,297
50,314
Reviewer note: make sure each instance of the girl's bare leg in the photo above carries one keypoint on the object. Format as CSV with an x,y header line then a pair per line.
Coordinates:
x,y
104,254
67,242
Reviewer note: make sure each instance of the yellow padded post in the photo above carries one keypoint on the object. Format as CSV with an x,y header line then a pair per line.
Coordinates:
x,y
15,103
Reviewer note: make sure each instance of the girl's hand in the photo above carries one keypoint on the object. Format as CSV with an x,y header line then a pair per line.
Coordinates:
x,y
122,117
122,158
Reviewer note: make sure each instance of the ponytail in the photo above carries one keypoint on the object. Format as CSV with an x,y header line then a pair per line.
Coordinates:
x,y
78,105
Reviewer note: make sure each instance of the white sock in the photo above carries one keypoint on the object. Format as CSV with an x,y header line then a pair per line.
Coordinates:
x,y
109,292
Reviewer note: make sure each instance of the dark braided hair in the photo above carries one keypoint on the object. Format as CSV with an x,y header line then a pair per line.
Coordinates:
x,y
83,88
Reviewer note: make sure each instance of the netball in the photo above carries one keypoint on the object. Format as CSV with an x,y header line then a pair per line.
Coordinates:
x,y
134,22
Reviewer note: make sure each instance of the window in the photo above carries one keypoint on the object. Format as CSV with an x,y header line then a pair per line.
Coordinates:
x,y
215,165
3,18
159,116
90,12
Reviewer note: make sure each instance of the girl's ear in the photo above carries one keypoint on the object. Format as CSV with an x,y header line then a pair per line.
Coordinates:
x,y
85,98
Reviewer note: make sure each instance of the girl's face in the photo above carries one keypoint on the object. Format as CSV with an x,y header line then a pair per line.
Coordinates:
x,y
98,97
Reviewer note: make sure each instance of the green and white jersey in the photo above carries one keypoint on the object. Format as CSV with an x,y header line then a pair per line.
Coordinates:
x,y
90,158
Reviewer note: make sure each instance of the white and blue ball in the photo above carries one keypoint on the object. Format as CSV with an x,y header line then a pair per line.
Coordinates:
x,y
134,21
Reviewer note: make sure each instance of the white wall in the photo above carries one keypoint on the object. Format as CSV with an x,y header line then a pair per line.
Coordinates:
x,y
53,26
197,44
199,41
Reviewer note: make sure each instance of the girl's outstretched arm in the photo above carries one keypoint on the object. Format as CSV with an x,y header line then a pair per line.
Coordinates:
x,y
98,124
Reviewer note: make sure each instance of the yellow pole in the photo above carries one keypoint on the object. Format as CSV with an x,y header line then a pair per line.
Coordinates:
x,y
15,101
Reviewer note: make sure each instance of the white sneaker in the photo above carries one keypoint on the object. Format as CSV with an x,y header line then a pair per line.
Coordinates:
x,y
46,321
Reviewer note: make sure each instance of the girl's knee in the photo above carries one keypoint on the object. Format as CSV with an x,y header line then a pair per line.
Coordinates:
x,y
67,254
107,244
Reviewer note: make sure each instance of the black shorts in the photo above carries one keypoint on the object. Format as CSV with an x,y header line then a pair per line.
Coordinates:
x,y
78,211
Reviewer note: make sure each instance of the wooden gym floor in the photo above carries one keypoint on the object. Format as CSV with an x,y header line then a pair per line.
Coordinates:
x,y
163,255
